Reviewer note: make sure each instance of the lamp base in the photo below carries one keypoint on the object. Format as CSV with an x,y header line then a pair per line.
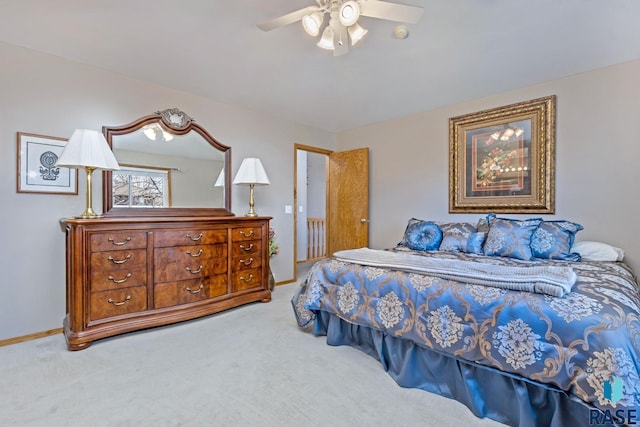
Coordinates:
x,y
251,212
89,213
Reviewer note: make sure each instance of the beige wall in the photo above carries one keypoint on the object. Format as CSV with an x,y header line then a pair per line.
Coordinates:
x,y
597,146
47,95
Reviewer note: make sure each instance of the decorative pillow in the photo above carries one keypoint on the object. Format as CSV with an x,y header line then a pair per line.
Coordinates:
x,y
597,251
423,236
553,240
455,236
483,224
510,237
475,243
412,221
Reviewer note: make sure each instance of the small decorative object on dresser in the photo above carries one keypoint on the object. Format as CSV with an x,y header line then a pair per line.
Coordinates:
x,y
141,267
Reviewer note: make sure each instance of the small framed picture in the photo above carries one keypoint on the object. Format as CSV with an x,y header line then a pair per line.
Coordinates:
x,y
36,167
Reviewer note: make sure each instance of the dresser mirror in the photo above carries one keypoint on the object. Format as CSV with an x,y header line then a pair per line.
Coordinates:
x,y
171,166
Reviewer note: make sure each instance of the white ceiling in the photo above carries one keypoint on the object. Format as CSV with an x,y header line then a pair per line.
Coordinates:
x,y
460,50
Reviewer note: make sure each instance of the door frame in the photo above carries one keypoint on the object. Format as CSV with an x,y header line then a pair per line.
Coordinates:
x,y
309,149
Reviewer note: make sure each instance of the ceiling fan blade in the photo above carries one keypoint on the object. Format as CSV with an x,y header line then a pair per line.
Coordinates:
x,y
287,19
391,11
341,41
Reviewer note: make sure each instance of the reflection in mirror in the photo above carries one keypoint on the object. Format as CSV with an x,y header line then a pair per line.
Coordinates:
x,y
180,172
170,163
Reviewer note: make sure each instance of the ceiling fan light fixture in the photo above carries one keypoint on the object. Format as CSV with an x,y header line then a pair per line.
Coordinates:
x,y
349,13
150,133
356,33
155,132
312,23
326,41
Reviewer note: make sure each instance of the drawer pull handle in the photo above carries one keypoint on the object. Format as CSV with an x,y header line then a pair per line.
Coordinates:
x,y
111,301
246,261
119,261
195,239
124,242
247,280
197,291
114,280
196,254
246,248
249,234
194,271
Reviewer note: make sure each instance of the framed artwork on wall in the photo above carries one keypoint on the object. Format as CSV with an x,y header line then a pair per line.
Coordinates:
x,y
502,160
36,171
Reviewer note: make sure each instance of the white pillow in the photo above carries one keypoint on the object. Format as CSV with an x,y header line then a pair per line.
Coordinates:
x,y
597,251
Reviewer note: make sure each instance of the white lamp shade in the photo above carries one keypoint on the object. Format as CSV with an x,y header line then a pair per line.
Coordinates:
x,y
87,148
326,42
349,13
251,172
356,32
220,180
312,23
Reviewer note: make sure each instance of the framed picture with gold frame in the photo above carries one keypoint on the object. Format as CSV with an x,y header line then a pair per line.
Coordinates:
x,y
502,160
36,166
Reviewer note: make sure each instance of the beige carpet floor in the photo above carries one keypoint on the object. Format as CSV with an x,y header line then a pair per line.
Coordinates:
x,y
249,366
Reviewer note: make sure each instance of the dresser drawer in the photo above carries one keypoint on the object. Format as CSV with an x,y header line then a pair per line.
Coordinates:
x,y
174,271
246,262
118,241
118,260
246,279
190,254
118,302
247,247
186,291
189,237
246,233
125,278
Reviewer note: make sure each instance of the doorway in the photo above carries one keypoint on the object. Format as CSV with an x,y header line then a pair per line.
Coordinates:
x,y
331,202
310,205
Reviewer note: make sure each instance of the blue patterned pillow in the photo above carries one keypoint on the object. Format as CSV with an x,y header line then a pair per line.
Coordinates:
x,y
423,236
553,240
483,224
412,221
475,243
510,237
455,236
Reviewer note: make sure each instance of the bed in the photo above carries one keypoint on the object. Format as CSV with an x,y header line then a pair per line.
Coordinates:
x,y
516,351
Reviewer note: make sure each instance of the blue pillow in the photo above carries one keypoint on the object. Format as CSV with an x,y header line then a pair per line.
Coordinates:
x,y
412,221
553,240
423,236
510,237
475,243
455,236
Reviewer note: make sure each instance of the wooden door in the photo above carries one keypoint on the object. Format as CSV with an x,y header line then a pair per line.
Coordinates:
x,y
348,200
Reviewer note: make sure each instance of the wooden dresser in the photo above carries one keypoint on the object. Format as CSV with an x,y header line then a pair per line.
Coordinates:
x,y
126,274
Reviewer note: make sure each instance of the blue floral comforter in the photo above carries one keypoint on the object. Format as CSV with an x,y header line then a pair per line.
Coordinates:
x,y
575,343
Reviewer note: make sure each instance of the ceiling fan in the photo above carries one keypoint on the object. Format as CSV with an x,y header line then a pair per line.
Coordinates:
x,y
343,26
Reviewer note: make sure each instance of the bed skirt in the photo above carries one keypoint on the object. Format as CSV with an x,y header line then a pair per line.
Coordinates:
x,y
486,391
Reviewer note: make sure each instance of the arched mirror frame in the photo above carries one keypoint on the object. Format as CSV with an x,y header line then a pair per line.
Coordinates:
x,y
175,122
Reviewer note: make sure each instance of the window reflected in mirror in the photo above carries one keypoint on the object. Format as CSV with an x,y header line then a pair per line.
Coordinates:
x,y
141,187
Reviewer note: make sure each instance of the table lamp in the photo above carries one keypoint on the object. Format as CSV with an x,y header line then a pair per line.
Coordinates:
x,y
251,173
88,149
